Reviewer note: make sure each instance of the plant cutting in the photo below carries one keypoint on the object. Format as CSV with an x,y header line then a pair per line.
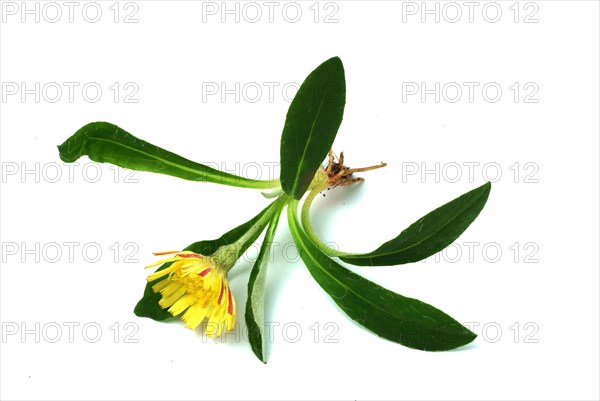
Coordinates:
x,y
192,283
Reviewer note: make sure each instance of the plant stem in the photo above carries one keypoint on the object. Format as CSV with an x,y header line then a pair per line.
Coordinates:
x,y
273,193
241,182
261,223
308,228
227,255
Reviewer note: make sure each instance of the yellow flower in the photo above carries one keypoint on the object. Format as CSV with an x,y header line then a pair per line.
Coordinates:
x,y
197,288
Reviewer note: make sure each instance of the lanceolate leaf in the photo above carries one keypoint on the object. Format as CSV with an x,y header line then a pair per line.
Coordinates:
x,y
407,321
255,305
428,235
148,305
311,125
106,143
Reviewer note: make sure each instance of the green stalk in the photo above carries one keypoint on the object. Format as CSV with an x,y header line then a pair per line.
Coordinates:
x,y
242,182
227,255
308,228
261,223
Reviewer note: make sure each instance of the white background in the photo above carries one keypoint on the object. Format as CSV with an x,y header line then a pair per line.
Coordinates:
x,y
546,286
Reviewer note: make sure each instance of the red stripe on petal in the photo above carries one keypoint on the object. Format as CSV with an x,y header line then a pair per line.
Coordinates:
x,y
164,253
220,299
189,255
230,299
205,272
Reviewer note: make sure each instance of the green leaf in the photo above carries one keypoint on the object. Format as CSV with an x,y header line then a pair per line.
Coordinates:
x,y
148,305
407,321
255,305
428,235
106,143
311,125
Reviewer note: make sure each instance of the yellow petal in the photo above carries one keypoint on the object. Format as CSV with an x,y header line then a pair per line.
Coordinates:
x,y
182,304
160,285
160,273
160,262
215,323
194,315
167,301
171,288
